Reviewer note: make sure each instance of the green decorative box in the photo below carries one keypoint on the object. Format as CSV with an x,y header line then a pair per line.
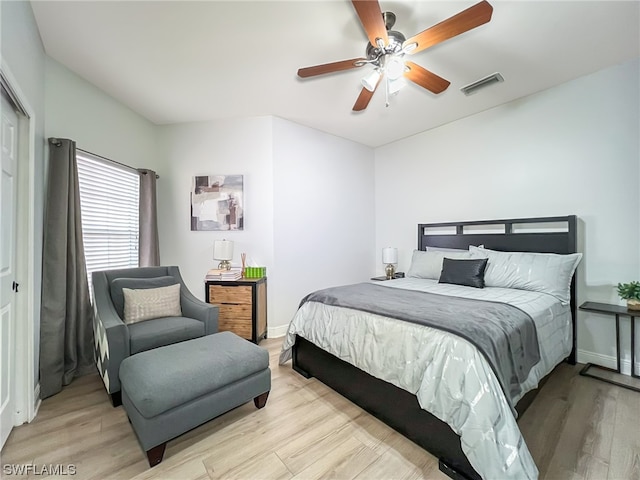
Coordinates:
x,y
255,272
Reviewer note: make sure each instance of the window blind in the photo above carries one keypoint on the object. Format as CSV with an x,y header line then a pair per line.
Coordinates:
x,y
109,197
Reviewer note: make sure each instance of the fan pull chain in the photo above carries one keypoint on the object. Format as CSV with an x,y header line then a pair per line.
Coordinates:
x,y
386,92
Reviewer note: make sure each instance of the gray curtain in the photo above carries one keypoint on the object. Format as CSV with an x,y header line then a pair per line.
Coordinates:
x,y
148,250
66,316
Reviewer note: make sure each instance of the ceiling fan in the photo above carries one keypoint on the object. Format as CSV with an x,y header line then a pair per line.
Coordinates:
x,y
386,50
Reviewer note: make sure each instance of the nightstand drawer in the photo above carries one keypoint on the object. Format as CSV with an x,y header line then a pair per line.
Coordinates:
x,y
236,319
241,313
240,294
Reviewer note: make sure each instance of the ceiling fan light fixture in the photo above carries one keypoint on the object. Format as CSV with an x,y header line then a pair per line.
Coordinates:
x,y
395,85
371,79
394,67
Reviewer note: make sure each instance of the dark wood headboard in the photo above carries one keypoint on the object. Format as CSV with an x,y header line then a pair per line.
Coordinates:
x,y
544,235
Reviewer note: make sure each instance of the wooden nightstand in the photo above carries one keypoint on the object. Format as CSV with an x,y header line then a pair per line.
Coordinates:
x,y
243,306
616,311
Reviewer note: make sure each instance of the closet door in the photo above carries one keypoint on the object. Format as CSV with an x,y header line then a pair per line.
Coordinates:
x,y
8,285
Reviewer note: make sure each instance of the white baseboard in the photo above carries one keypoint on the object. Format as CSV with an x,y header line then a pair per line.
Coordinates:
x,y
279,331
30,410
37,401
608,361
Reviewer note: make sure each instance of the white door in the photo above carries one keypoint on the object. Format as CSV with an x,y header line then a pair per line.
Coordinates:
x,y
8,286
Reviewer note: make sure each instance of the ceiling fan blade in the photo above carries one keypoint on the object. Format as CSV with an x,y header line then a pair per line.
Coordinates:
x,y
426,79
464,21
371,19
364,98
329,67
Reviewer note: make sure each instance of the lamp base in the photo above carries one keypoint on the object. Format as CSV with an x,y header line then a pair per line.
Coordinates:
x,y
390,270
224,265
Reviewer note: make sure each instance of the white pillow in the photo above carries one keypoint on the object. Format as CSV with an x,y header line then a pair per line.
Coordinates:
x,y
539,272
429,264
148,303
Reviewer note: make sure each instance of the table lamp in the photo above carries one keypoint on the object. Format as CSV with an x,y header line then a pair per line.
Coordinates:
x,y
223,251
390,257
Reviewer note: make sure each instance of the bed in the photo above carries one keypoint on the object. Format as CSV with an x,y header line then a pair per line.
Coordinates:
x,y
474,435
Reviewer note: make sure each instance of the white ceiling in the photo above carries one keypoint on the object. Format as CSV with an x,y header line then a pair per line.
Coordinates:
x,y
183,61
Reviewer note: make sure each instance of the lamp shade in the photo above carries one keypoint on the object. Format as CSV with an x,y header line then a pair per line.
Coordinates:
x,y
370,81
395,85
222,250
389,255
394,68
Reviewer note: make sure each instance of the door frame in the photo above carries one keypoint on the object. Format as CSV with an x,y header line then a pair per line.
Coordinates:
x,y
27,391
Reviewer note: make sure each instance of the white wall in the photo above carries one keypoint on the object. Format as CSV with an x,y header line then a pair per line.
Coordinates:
x,y
323,215
241,146
308,205
78,110
22,53
572,149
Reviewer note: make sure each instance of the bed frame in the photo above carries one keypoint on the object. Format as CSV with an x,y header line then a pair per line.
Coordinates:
x,y
398,408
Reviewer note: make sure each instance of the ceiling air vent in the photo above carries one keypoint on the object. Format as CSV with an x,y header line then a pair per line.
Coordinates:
x,y
482,83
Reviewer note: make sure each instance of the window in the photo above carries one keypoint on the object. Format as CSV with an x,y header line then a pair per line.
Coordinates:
x,y
109,197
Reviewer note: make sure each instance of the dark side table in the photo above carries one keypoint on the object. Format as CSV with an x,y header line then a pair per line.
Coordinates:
x,y
617,311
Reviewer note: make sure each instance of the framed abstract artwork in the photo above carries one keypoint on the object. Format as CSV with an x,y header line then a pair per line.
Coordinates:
x,y
217,202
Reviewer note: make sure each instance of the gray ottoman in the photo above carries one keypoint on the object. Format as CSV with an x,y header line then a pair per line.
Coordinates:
x,y
170,390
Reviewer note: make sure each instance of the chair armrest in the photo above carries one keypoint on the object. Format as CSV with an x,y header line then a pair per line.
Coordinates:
x,y
199,310
194,308
111,335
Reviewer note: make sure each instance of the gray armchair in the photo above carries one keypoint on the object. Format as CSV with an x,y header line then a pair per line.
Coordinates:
x,y
115,340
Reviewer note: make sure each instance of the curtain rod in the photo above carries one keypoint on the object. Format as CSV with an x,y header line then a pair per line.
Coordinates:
x,y
113,161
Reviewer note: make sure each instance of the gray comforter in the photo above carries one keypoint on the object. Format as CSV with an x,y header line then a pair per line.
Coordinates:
x,y
504,334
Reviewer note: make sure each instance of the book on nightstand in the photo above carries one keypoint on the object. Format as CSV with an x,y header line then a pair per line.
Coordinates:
x,y
217,274
231,275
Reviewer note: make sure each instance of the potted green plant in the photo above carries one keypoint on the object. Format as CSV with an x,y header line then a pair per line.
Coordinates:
x,y
631,293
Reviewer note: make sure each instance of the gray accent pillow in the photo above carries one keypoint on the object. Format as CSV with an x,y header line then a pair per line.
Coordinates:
x,y
150,303
117,297
464,272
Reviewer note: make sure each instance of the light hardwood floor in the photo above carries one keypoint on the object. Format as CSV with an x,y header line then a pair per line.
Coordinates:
x,y
577,428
